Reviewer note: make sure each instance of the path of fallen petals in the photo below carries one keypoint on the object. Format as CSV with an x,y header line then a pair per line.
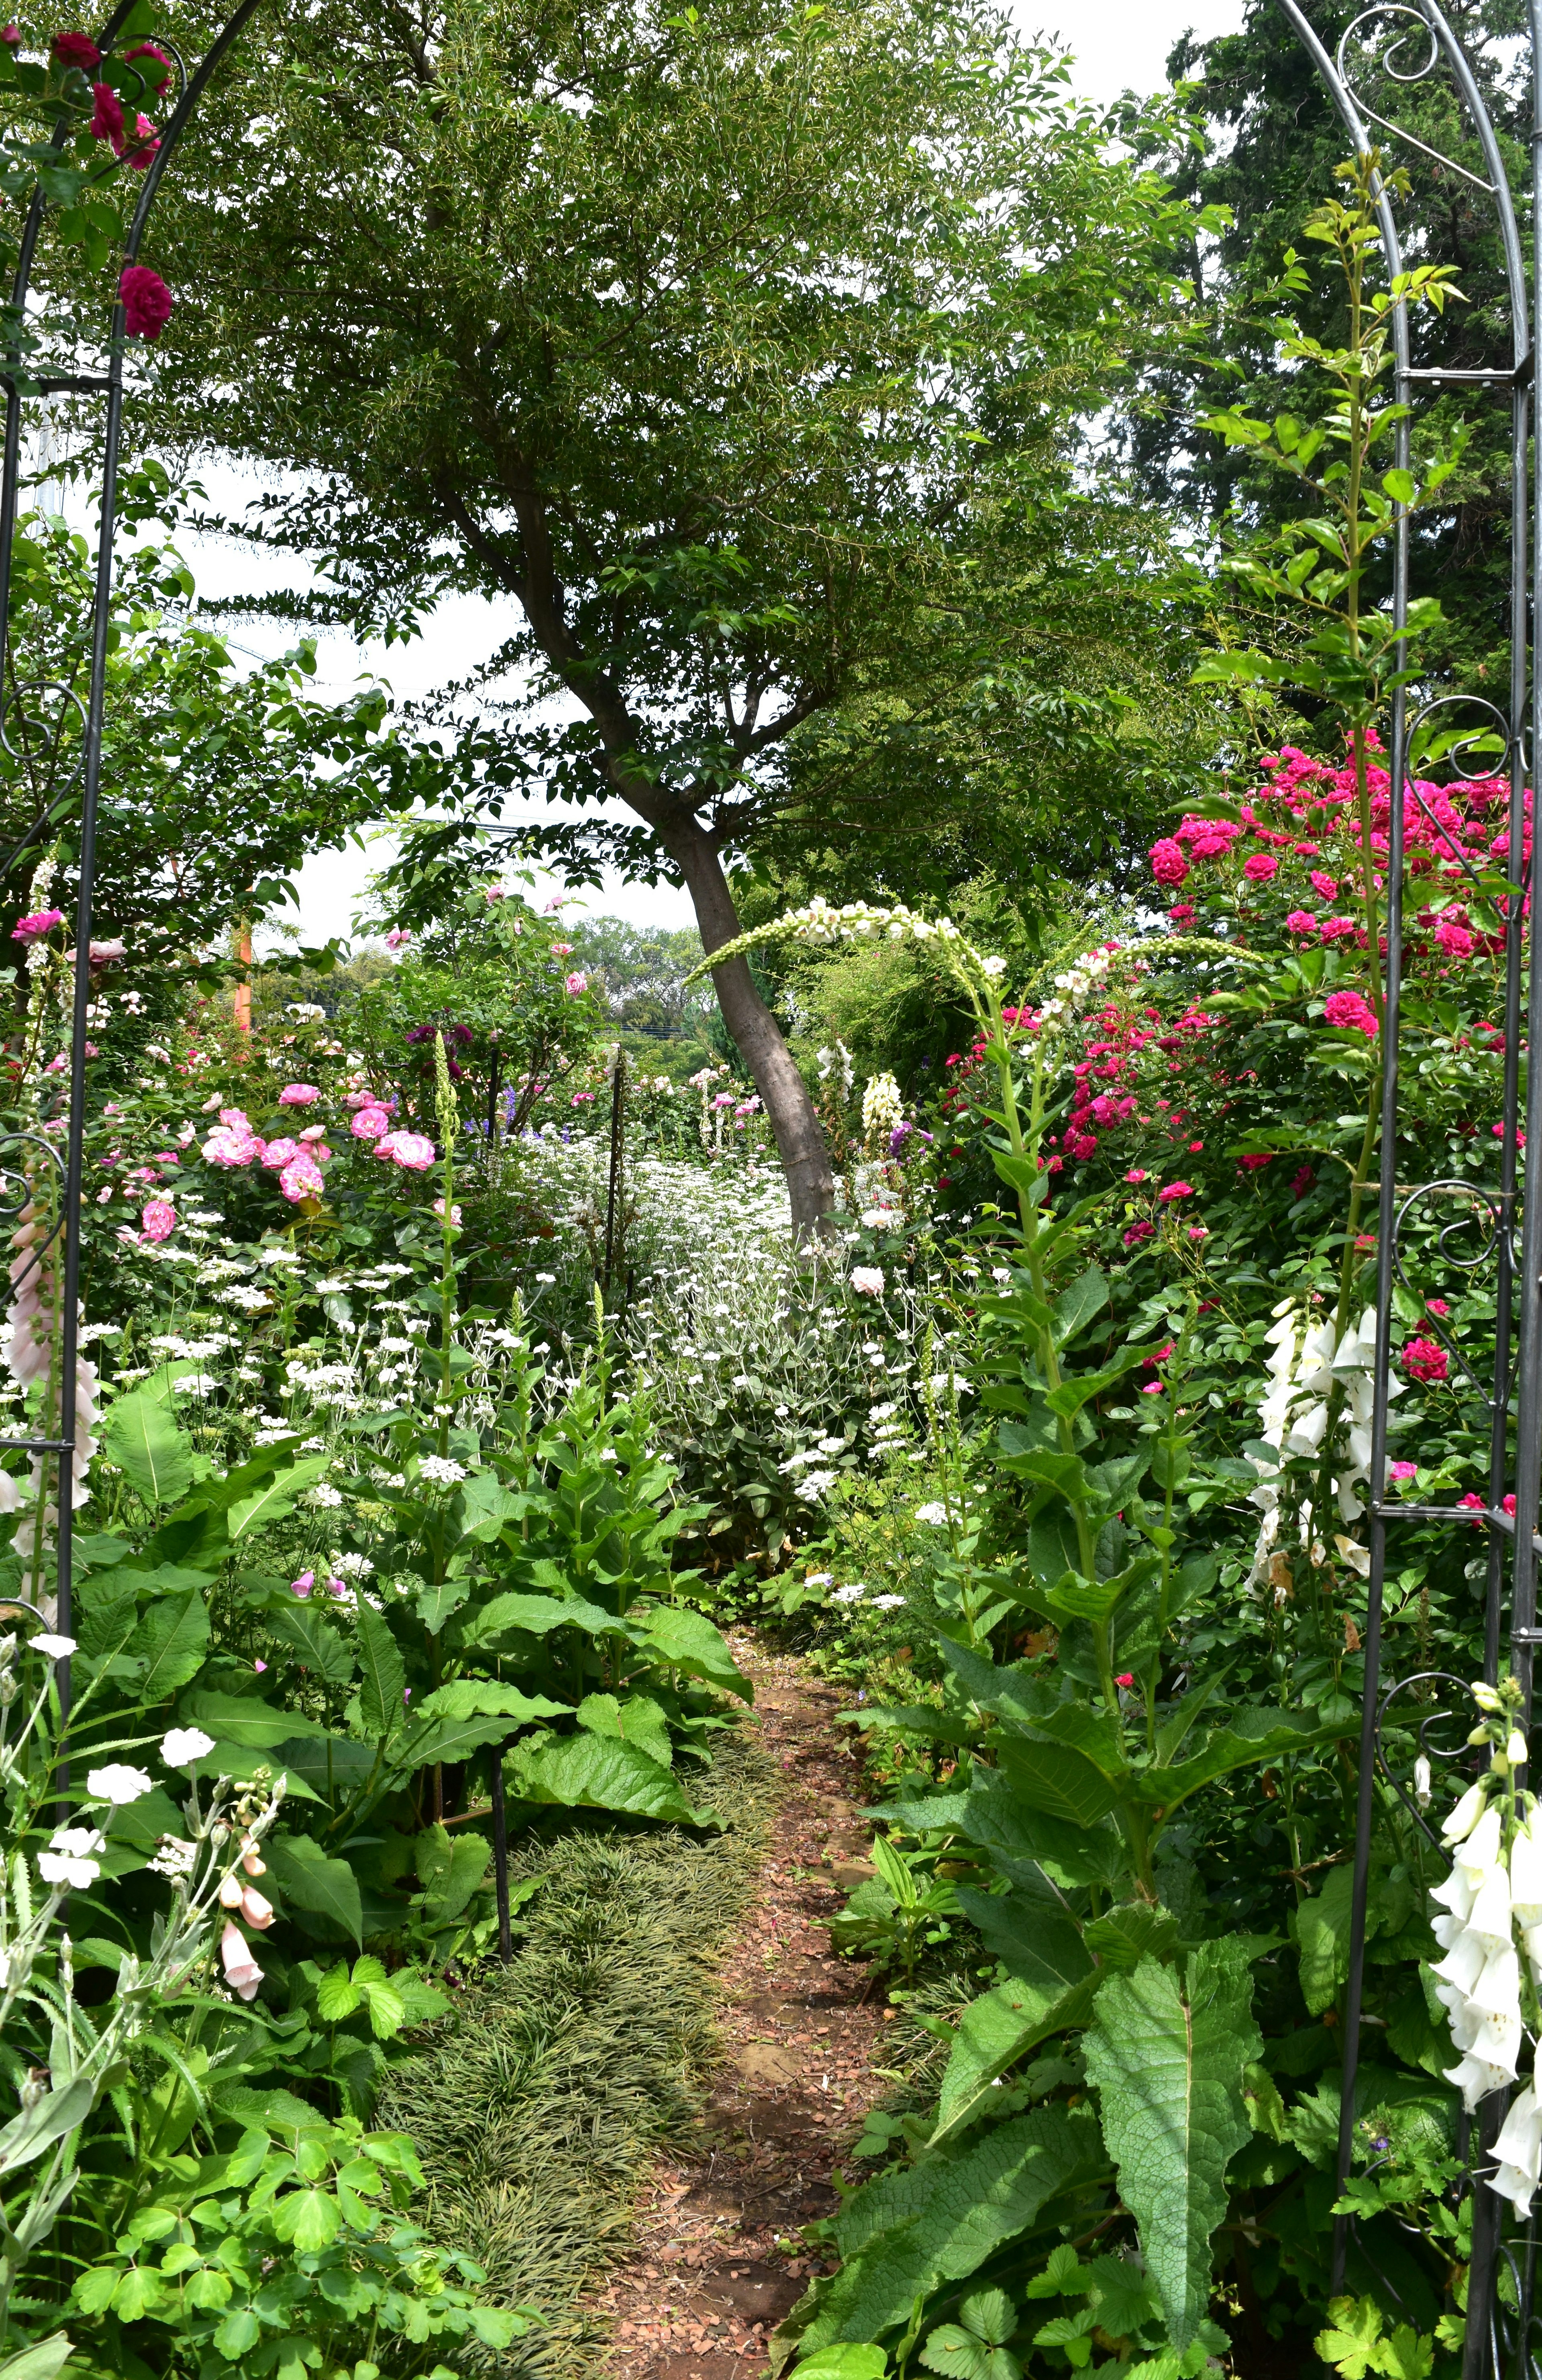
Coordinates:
x,y
715,2262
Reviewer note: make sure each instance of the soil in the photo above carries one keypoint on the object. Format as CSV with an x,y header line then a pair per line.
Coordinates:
x,y
716,2260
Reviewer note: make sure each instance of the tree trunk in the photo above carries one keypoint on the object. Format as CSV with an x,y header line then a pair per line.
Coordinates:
x,y
756,1034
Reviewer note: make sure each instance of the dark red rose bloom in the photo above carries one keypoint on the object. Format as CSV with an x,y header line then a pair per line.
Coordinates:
x,y
107,116
147,302
76,50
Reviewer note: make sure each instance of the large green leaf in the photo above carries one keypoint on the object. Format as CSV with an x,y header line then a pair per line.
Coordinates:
x,y
596,1772
450,1869
687,1640
484,1698
1000,2027
171,1640
320,1647
1039,1946
538,1615
154,1456
1322,1936
939,2219
275,1498
247,1719
382,1675
1166,2052
309,1880
443,1738
1251,1739
1052,1777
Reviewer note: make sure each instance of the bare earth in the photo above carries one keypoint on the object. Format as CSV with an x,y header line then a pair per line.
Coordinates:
x,y
707,2282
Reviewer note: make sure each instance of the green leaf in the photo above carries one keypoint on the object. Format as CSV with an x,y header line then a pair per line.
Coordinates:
x,y
1323,1939
155,1457
239,2331
50,2355
991,2314
450,1869
1253,1739
1123,1936
940,2219
1401,486
1052,1777
1166,2052
309,1880
538,1615
382,1678
595,1772
687,1640
172,1640
1351,2345
435,1605
994,2031
1041,1948
275,1497
337,1995
319,1645
46,2120
637,1720
449,1740
842,2363
484,1698
954,2354
308,2218
1078,1306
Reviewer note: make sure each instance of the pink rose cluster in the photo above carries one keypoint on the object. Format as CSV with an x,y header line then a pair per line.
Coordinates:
x,y
1308,814
234,1144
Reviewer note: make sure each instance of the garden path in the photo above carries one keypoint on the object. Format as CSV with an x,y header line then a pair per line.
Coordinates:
x,y
705,2285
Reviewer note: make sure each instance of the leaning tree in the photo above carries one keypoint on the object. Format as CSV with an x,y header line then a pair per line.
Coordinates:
x,y
732,348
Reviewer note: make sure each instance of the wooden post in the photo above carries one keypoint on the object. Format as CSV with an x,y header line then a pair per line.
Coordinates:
x,y
501,1856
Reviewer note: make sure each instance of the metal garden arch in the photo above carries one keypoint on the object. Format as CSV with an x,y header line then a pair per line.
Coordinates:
x,y
1404,41
78,802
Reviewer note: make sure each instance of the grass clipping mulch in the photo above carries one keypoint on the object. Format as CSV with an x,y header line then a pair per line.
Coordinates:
x,y
537,2110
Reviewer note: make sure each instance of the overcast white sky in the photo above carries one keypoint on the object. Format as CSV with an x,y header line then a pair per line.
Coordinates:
x,y
1115,45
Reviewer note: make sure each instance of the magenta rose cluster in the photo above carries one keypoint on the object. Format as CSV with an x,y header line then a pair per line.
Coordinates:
x,y
1302,831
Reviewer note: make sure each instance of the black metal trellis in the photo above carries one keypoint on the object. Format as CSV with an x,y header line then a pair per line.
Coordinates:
x,y
1408,40
76,803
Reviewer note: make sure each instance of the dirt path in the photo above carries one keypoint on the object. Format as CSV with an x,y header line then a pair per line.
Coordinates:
x,y
709,2280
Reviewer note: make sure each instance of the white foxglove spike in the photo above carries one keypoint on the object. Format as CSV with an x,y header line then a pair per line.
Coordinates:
x,y
1519,2151
1465,1816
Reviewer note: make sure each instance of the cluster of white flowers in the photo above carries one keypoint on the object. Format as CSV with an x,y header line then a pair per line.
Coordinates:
x,y
836,1059
883,1107
1077,982
1307,1366
1490,1918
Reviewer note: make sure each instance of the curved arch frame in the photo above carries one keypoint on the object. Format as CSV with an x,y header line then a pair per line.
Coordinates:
x,y
19,388
1501,2344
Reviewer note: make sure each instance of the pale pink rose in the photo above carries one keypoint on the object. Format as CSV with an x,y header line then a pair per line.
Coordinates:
x,y
298,1095
369,1124
577,983
158,1219
410,1151
302,1178
280,1153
